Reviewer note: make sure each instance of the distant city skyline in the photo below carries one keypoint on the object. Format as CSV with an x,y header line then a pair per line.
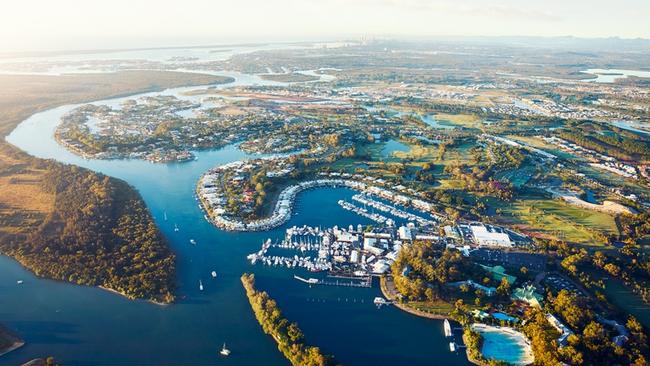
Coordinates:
x,y
76,24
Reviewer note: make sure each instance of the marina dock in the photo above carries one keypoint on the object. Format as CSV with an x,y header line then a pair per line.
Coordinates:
x,y
365,282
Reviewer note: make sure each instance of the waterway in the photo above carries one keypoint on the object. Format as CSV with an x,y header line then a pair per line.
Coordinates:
x,y
611,75
89,326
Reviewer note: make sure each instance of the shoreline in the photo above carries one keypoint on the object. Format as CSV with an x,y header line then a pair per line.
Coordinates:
x,y
116,292
16,345
470,358
8,335
280,214
405,308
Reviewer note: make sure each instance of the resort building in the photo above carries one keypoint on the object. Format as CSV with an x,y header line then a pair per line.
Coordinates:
x,y
497,272
565,332
484,237
528,295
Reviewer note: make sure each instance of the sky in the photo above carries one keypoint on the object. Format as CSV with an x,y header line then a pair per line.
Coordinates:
x,y
27,25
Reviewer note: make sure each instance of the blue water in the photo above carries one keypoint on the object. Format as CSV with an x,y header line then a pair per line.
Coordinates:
x,y
429,119
89,326
432,121
503,346
392,146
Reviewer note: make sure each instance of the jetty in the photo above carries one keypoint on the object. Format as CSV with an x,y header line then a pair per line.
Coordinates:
x,y
365,282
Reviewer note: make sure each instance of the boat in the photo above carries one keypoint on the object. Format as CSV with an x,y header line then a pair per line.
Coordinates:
x,y
200,285
224,351
214,274
380,301
452,346
192,241
19,282
165,215
447,327
175,227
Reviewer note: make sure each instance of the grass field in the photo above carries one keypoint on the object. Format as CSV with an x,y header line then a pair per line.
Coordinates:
x,y
420,154
518,177
436,307
554,218
463,120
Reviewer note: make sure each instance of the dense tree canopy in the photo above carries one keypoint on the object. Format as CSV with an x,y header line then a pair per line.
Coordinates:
x,y
100,233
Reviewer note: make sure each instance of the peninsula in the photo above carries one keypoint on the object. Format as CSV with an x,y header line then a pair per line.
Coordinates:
x,y
69,223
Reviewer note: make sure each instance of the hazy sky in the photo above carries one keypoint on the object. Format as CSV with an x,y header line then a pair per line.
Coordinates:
x,y
83,24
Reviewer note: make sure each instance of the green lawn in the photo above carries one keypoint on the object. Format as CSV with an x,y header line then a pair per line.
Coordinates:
x,y
558,219
437,307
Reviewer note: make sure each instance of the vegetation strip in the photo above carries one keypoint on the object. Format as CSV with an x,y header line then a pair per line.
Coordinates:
x,y
288,336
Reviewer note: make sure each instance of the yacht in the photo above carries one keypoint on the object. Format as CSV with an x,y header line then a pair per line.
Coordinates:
x,y
200,285
224,351
175,227
192,241
214,274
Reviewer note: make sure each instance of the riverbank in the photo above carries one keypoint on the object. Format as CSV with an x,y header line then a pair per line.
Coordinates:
x,y
116,292
9,341
470,356
389,292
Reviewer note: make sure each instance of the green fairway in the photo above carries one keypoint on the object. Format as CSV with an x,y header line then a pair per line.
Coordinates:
x,y
558,219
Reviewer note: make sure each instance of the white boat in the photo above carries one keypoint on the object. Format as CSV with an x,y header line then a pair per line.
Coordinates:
x,y
200,285
224,351
447,327
214,274
452,346
380,301
19,282
175,227
165,214
192,241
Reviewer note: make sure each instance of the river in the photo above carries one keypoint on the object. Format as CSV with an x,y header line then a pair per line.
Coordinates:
x,y
89,326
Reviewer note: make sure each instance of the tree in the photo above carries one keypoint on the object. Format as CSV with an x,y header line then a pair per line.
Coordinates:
x,y
594,336
503,289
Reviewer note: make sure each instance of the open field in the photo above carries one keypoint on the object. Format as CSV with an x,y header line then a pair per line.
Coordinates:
x,y
553,218
419,154
439,307
463,120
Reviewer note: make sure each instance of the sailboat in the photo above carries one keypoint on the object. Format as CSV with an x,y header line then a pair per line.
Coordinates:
x,y
224,351
200,285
